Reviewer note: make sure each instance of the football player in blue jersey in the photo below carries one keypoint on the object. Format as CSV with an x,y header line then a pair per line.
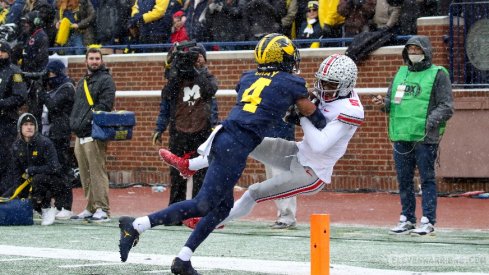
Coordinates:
x,y
264,96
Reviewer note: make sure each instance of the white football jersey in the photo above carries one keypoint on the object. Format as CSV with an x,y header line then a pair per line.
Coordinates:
x,y
321,149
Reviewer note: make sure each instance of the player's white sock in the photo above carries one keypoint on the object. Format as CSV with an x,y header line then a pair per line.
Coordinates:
x,y
185,254
141,224
198,163
242,207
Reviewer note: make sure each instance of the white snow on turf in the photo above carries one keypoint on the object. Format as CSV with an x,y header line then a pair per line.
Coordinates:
x,y
200,263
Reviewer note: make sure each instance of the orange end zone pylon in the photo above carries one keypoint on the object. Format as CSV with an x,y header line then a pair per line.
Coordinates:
x,y
319,244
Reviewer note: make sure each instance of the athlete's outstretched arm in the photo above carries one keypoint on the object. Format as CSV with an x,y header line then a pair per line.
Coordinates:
x,y
322,140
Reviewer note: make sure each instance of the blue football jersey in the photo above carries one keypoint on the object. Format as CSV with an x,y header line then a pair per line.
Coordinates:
x,y
263,98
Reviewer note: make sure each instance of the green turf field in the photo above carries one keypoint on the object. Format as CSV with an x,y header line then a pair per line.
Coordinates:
x,y
240,248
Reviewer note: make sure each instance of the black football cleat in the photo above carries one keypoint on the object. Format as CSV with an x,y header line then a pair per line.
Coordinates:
x,y
129,236
181,267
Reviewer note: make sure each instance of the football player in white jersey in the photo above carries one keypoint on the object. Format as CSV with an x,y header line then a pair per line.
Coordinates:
x,y
306,165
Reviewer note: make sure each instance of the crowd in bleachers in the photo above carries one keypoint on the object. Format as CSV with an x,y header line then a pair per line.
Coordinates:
x,y
79,23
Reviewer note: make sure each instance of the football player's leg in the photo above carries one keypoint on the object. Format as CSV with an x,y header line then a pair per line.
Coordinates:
x,y
210,221
241,208
275,152
298,180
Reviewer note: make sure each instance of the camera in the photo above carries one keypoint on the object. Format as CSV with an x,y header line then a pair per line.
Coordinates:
x,y
42,75
183,60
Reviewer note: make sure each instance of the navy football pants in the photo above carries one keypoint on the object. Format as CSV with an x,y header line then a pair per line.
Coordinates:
x,y
215,198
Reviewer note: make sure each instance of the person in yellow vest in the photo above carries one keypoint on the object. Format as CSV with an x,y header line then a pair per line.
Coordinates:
x,y
419,103
329,18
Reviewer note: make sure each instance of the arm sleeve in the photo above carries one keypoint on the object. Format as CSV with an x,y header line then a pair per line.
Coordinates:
x,y
443,101
157,12
87,21
163,116
19,93
105,100
208,85
322,140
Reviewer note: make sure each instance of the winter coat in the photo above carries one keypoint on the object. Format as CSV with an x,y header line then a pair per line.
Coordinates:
x,y
85,18
111,20
263,17
386,15
13,94
38,156
196,22
223,24
102,91
59,103
357,13
35,53
155,17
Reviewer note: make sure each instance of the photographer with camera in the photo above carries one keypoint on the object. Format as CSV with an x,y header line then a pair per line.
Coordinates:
x,y
13,94
186,107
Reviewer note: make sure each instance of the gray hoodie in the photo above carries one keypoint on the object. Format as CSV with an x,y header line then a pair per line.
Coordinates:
x,y
440,108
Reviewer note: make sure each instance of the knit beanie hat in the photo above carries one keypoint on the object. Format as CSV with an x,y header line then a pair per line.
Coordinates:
x,y
5,47
56,66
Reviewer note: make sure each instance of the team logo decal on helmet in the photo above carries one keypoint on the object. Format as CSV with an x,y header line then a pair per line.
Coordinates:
x,y
335,77
276,52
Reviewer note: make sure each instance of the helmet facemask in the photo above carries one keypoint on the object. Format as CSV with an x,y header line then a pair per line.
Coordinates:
x,y
327,90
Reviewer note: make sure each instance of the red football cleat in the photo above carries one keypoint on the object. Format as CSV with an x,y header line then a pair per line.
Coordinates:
x,y
192,223
179,163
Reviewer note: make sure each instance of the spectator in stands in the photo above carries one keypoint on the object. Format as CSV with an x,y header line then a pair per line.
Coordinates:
x,y
410,11
300,17
186,110
222,17
386,15
4,8
333,21
262,17
195,23
178,30
57,105
419,103
15,12
311,27
288,19
46,14
357,14
111,19
154,20
35,156
82,17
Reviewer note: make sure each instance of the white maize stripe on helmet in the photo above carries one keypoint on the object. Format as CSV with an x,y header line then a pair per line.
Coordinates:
x,y
338,69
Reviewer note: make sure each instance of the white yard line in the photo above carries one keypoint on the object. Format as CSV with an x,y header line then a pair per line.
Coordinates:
x,y
200,263
238,264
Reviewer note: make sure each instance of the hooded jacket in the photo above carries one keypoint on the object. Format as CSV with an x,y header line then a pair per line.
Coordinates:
x,y
440,107
102,91
38,155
